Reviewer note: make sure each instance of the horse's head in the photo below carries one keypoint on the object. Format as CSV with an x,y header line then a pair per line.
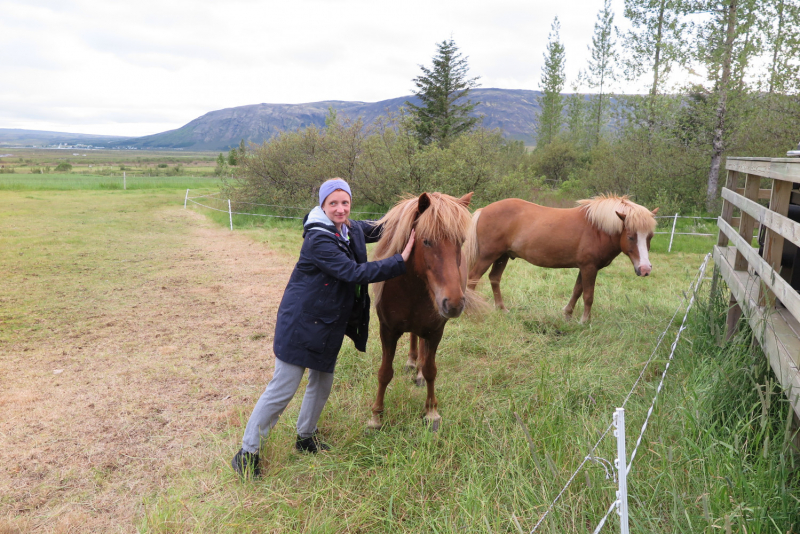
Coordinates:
x,y
635,243
441,231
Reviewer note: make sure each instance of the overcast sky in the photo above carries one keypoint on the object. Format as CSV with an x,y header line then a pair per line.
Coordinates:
x,y
143,67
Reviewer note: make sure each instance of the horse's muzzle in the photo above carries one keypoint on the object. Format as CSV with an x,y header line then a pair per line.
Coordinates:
x,y
448,311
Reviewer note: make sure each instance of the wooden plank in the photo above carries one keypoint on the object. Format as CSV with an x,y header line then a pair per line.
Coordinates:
x,y
787,169
789,297
780,344
784,226
757,167
747,224
773,240
763,194
727,208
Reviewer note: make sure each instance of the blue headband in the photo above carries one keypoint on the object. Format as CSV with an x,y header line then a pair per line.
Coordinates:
x,y
332,185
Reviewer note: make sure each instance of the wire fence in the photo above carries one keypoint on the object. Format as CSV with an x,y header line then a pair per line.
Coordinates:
x,y
623,468
278,207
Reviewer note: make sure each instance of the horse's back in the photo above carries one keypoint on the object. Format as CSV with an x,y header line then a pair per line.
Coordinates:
x,y
544,236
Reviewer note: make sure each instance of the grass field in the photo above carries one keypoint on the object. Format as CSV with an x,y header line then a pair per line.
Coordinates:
x,y
153,314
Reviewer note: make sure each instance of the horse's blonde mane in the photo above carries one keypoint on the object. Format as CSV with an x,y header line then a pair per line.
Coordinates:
x,y
601,212
446,218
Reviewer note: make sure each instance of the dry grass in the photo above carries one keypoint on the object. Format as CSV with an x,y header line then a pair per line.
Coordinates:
x,y
129,332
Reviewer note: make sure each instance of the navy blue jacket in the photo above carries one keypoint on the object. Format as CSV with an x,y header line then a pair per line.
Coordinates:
x,y
320,304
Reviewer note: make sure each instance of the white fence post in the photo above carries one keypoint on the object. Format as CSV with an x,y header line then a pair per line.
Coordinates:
x,y
185,200
230,214
674,222
622,469
124,184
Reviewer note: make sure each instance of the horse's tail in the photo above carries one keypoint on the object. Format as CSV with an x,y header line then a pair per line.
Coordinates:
x,y
471,250
475,305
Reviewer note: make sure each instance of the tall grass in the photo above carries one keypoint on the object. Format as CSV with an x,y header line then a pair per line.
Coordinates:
x,y
716,456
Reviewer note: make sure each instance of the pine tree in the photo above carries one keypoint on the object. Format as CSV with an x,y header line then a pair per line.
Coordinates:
x,y
601,72
440,118
551,102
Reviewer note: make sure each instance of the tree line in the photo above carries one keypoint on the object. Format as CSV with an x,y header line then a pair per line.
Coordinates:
x,y
738,94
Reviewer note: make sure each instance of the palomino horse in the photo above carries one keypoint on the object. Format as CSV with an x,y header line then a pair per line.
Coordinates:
x,y
588,237
432,291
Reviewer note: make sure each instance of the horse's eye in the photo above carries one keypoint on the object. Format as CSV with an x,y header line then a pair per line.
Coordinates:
x,y
426,243
631,238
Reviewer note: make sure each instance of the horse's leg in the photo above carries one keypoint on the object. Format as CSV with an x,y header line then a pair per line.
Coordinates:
x,y
428,368
494,277
411,364
576,294
589,276
385,373
419,380
478,270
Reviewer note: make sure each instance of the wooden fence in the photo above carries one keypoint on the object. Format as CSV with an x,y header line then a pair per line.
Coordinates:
x,y
760,283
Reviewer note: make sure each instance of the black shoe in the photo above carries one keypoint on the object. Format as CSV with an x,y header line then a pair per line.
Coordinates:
x,y
246,464
311,444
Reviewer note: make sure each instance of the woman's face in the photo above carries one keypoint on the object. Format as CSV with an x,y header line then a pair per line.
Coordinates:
x,y
337,207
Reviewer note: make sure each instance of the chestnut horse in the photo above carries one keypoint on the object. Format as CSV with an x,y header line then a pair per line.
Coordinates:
x,y
587,237
432,290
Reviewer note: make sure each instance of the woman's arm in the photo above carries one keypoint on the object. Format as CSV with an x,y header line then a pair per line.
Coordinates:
x,y
326,255
372,230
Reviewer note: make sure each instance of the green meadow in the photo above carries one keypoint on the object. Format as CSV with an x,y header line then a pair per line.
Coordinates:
x,y
524,395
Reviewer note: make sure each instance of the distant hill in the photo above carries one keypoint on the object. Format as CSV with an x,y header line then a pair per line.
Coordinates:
x,y
513,111
17,137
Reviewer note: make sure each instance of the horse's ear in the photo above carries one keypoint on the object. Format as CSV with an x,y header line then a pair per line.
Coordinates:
x,y
466,198
621,215
423,203
654,211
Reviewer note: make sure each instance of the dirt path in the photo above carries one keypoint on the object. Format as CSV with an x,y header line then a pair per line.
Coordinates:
x,y
102,412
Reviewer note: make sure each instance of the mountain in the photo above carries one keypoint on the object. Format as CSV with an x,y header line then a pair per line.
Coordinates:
x,y
17,137
513,111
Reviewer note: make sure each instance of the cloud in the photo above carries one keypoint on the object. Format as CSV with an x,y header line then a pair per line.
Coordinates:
x,y
139,64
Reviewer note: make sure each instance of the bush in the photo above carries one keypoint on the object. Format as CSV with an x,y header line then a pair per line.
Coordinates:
x,y
64,167
381,161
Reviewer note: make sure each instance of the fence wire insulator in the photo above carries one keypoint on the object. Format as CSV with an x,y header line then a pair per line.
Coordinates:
x,y
608,467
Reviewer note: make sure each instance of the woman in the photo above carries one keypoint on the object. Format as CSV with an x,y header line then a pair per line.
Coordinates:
x,y
326,299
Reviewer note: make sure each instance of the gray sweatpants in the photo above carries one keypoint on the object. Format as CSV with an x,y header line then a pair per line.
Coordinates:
x,y
275,399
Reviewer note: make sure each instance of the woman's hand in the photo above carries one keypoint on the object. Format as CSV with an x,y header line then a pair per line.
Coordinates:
x,y
407,251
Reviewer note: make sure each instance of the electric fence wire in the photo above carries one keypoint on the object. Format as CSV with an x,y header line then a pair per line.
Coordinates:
x,y
693,289
605,517
590,456
242,213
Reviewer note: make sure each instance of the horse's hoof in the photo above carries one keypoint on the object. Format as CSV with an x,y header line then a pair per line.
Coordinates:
x,y
410,368
419,382
433,424
374,424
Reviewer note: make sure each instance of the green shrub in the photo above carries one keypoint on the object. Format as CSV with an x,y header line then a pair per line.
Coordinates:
x,y
64,167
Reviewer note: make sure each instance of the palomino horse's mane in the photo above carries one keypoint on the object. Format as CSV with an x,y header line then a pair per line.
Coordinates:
x,y
446,218
601,212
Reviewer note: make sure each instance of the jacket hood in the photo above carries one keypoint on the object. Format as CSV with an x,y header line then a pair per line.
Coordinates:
x,y
317,216
317,220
